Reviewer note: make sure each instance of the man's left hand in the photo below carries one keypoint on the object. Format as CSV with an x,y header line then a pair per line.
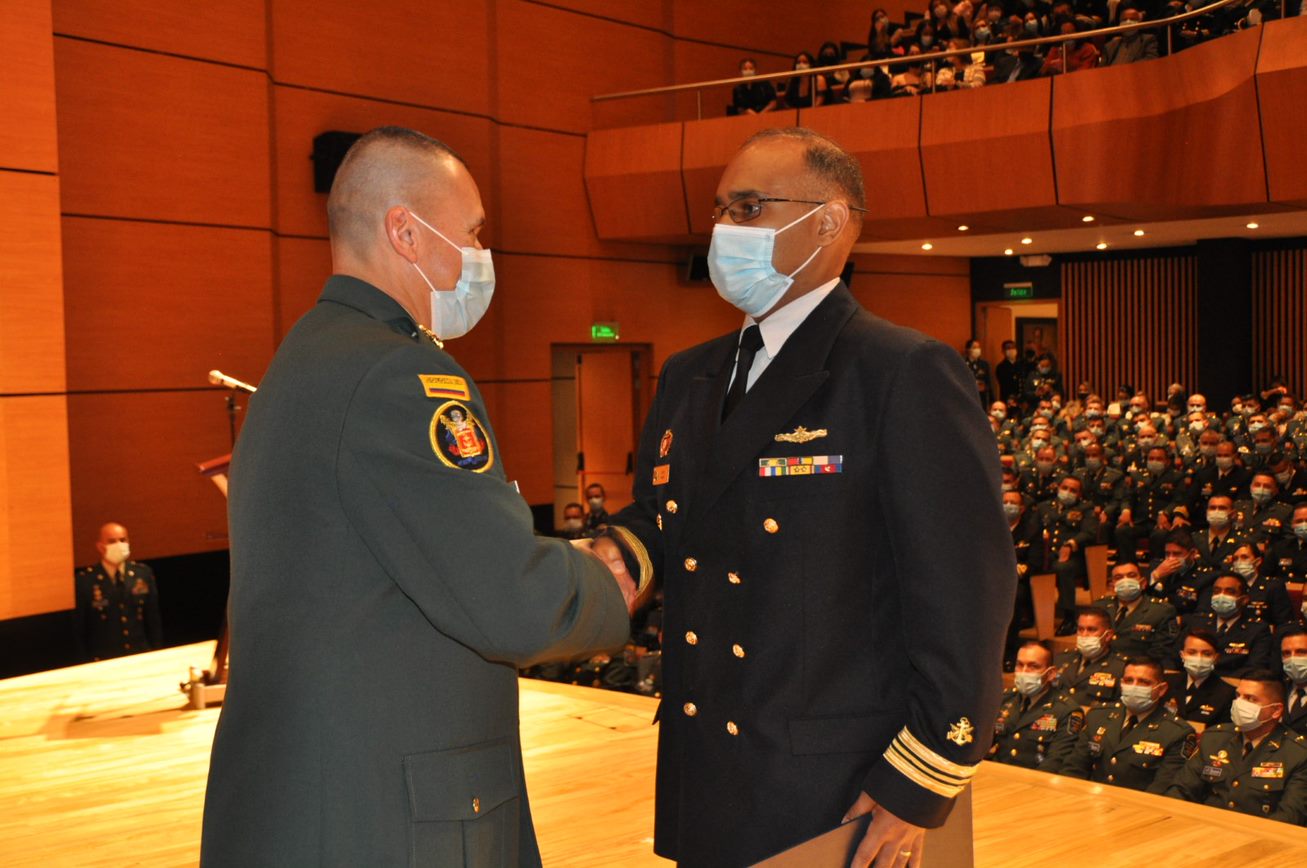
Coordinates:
x,y
889,841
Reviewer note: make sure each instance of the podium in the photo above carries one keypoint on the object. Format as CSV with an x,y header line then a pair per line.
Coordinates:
x,y
209,687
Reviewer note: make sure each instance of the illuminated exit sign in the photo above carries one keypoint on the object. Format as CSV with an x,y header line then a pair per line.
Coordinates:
x,y
605,331
1019,290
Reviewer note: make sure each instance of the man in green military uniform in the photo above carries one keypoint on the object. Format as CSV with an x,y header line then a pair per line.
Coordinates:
x,y
1070,526
1036,725
1256,765
1137,742
386,581
116,601
1143,626
1091,672
1263,518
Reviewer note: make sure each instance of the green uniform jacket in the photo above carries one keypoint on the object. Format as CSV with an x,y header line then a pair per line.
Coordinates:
x,y
1270,782
1148,757
1150,629
1039,737
386,585
1098,682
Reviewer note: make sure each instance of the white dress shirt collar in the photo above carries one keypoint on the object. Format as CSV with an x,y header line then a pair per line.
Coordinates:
x,y
777,328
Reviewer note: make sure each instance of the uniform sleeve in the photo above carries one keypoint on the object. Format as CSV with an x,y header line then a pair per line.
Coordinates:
x,y
82,615
1165,640
1293,800
1262,651
153,624
639,518
1068,735
1087,533
1078,763
955,590
1185,747
460,544
1188,782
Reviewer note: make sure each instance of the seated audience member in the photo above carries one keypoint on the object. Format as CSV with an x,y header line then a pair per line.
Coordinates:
x,y
1041,481
116,601
1176,578
1044,381
961,72
1069,527
869,82
805,91
1091,672
1287,556
1293,661
1138,742
573,522
911,79
1037,725
1244,642
597,518
1079,53
1143,627
753,97
1217,543
1131,46
1016,64
1028,543
1104,485
1198,694
1256,765
829,55
1291,480
1268,599
1154,505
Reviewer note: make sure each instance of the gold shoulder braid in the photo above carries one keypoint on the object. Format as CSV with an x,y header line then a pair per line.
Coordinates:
x,y
431,335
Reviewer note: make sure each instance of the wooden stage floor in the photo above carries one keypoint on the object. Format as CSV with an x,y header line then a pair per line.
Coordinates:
x,y
102,765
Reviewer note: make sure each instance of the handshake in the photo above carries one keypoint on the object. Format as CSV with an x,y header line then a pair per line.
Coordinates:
x,y
609,553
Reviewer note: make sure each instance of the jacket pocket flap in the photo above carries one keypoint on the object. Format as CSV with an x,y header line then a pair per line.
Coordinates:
x,y
462,783
863,734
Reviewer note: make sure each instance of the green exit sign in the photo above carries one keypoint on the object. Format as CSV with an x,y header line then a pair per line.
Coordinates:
x,y
605,331
1019,290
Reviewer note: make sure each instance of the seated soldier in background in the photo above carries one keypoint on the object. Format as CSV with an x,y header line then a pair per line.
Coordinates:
x,y
1262,518
1028,543
1256,765
1138,742
1293,661
1069,527
1287,556
1091,672
1037,724
1268,599
1175,578
1144,627
1198,695
1291,479
1244,642
1040,481
1155,504
1217,543
573,522
1221,475
1103,486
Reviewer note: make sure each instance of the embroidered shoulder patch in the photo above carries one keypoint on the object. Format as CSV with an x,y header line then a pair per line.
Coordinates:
x,y
459,440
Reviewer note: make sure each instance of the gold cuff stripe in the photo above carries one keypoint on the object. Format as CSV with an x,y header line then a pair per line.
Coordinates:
x,y
928,756
926,770
632,542
912,773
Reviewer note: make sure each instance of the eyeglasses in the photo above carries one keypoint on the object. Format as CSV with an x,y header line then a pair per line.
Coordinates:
x,y
747,208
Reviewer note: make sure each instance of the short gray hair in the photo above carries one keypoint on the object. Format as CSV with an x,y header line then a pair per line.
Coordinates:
x,y
833,167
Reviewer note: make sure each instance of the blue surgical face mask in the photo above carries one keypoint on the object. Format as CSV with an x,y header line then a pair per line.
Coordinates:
x,y
1224,605
1137,697
1245,568
1128,590
456,312
740,265
1198,667
1012,510
1247,716
1300,531
1296,668
1028,683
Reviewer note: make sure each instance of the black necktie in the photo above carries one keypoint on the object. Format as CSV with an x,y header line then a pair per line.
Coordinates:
x,y
750,343
1128,725
1298,696
1247,748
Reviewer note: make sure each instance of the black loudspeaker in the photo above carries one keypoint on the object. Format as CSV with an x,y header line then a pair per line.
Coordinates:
x,y
329,149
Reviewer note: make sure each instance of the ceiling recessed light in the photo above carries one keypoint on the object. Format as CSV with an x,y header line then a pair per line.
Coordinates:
x,y
1088,218
928,246
1008,252
1102,245
1252,225
963,228
1139,233
1027,240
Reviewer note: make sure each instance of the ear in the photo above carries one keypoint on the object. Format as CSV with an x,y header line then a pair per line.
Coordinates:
x,y
401,232
833,220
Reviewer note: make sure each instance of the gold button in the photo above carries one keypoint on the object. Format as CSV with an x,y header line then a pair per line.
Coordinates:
x,y
1266,786
732,728
1235,784
771,525
691,638
124,619
690,709
1017,736
1231,804
476,806
1113,760
1014,751
691,564
1111,778
733,578
737,650
671,507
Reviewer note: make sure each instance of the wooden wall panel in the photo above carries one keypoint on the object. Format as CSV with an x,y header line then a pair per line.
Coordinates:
x,y
1011,120
148,136
704,61
157,305
709,146
654,14
1130,321
302,114
27,130
633,178
1281,86
1203,101
233,31
542,87
303,266
785,27
36,556
32,313
425,52
1279,288
937,305
133,461
520,413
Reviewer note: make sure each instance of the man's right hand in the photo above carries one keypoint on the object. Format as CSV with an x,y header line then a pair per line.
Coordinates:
x,y
609,554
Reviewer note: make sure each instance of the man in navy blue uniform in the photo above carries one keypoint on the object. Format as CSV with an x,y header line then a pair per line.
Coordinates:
x,y
827,652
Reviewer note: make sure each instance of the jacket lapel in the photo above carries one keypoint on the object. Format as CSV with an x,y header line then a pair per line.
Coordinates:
x,y
785,386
